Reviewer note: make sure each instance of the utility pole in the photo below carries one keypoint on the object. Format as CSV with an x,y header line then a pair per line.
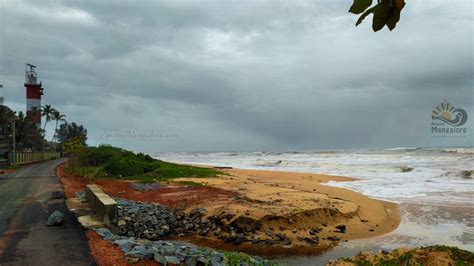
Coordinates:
x,y
1,97
14,143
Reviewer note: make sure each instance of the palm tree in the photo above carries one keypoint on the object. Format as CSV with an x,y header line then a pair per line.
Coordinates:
x,y
57,116
47,112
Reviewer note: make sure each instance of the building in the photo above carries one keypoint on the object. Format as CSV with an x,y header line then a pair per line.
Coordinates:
x,y
34,91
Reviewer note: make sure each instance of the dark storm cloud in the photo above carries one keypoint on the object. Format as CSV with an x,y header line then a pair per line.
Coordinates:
x,y
242,75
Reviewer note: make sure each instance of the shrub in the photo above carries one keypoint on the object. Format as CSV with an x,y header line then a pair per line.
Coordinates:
x,y
123,166
117,162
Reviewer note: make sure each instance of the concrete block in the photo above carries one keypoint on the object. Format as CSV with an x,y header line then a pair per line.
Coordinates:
x,y
102,204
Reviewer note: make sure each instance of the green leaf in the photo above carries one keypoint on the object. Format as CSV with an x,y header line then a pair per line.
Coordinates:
x,y
363,16
382,13
394,18
360,6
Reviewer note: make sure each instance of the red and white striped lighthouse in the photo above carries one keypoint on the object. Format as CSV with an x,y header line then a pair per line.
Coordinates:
x,y
33,95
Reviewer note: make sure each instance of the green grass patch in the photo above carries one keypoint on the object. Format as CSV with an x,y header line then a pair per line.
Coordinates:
x,y
110,162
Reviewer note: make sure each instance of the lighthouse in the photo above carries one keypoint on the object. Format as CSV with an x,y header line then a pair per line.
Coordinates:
x,y
33,94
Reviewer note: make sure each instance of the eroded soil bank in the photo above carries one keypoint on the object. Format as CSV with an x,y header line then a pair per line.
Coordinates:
x,y
265,212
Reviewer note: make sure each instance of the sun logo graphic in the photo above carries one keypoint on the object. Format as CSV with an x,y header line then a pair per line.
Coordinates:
x,y
449,114
448,120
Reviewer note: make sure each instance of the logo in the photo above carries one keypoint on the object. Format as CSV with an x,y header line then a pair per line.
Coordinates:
x,y
448,119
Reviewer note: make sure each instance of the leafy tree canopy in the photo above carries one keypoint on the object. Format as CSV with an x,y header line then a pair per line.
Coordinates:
x,y
68,131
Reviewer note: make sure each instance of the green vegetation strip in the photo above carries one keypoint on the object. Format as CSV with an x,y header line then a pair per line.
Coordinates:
x,y
111,162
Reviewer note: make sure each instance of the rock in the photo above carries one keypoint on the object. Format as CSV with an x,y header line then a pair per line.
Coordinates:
x,y
57,194
137,252
149,253
172,260
124,244
341,228
270,242
159,258
269,232
294,230
216,262
167,250
286,242
204,232
190,260
55,219
81,195
280,236
312,241
333,238
104,233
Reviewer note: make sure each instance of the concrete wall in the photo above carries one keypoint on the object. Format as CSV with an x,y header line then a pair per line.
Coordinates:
x,y
102,204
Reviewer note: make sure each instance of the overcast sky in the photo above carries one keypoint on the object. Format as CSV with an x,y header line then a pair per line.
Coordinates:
x,y
243,74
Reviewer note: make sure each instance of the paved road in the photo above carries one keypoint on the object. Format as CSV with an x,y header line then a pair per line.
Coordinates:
x,y
25,205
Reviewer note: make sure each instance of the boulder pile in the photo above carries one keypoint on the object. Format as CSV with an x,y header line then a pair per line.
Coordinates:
x,y
153,222
176,253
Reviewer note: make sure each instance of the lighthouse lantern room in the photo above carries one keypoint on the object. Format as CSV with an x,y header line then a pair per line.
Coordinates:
x,y
34,91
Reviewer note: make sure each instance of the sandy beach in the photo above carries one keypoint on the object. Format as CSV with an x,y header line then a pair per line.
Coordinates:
x,y
293,204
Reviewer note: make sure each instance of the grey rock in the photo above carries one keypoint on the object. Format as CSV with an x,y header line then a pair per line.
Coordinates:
x,y
286,242
55,219
137,252
172,260
160,259
57,194
104,233
269,232
190,260
167,250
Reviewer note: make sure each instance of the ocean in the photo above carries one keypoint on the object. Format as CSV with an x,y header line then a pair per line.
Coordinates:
x,y
433,186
